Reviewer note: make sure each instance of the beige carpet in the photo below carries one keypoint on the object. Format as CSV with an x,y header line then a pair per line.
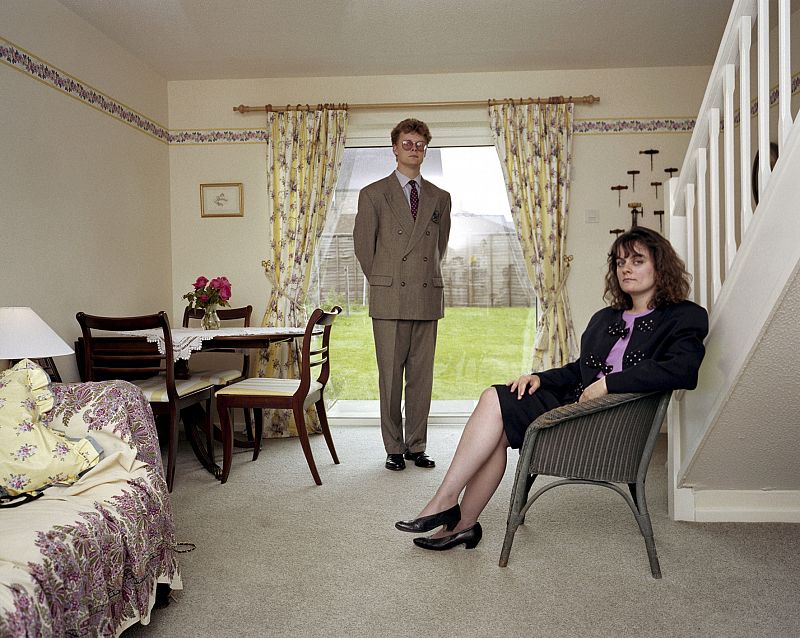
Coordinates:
x,y
278,556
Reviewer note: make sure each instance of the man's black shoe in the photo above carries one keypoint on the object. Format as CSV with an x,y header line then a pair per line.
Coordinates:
x,y
395,462
420,459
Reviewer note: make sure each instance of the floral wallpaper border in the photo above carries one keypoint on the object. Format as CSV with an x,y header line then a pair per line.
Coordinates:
x,y
57,79
654,125
230,136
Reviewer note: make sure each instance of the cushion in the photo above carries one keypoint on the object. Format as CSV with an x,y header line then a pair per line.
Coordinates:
x,y
33,456
218,377
155,388
267,387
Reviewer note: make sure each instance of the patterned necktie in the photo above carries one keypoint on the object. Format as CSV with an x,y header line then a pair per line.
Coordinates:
x,y
414,199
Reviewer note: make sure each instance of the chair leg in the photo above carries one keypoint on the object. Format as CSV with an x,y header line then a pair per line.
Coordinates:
x,y
326,431
632,488
523,480
519,497
528,486
208,425
511,529
646,528
227,438
191,416
248,424
172,447
259,423
300,422
652,555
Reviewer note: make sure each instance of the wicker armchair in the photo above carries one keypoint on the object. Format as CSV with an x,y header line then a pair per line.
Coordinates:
x,y
606,441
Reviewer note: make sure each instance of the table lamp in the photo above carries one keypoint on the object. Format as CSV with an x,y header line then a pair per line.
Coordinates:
x,y
24,335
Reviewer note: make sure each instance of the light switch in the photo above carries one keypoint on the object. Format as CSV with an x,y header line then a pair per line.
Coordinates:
x,y
592,216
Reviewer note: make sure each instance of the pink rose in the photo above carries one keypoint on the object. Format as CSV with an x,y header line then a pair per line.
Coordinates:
x,y
216,283
203,298
200,283
225,293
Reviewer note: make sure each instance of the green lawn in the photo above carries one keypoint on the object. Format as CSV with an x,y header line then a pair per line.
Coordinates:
x,y
475,348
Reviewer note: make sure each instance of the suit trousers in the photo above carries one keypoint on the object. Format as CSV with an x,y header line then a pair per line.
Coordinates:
x,y
405,346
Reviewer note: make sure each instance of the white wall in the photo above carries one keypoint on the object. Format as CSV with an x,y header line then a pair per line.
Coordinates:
x,y
84,215
601,160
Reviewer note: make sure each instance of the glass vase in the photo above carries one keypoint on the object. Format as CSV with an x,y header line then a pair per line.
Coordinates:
x,y
210,320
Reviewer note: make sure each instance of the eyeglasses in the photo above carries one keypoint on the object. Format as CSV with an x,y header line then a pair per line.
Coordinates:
x,y
408,145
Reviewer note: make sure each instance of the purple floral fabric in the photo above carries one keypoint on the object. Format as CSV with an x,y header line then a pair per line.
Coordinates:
x,y
117,406
95,573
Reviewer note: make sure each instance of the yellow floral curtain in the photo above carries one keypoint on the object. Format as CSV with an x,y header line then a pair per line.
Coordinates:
x,y
534,142
304,155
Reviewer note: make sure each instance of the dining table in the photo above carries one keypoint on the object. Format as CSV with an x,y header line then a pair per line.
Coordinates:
x,y
186,341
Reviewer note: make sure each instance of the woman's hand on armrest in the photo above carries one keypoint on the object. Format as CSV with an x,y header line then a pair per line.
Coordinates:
x,y
595,390
529,381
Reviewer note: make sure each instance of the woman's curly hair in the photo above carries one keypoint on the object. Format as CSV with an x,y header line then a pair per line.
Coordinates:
x,y
672,280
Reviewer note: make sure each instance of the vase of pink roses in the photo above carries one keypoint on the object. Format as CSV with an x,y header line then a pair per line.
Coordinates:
x,y
208,295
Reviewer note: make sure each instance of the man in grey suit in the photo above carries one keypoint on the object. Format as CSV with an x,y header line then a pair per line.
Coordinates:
x,y
400,236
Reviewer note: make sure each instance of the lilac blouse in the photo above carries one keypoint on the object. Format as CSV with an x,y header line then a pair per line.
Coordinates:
x,y
614,358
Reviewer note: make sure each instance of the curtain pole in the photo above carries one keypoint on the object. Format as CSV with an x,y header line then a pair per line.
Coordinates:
x,y
558,99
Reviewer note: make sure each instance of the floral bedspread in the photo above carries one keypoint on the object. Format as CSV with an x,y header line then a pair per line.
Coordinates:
x,y
84,560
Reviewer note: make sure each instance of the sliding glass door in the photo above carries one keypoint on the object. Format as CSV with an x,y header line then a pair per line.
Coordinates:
x,y
487,333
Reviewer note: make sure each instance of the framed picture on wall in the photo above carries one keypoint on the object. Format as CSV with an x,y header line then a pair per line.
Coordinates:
x,y
221,200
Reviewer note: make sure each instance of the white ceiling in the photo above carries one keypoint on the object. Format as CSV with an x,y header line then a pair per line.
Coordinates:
x,y
228,39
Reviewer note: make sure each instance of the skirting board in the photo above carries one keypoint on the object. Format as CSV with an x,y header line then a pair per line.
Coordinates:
x,y
742,506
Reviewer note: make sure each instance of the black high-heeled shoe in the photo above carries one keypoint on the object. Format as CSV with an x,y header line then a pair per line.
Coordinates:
x,y
448,518
470,537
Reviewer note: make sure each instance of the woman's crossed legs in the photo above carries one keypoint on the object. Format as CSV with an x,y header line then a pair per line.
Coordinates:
x,y
477,466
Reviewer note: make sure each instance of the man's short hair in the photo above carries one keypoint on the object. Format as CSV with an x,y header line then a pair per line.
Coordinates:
x,y
410,125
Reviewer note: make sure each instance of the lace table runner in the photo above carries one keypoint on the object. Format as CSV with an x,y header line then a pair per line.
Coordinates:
x,y
188,340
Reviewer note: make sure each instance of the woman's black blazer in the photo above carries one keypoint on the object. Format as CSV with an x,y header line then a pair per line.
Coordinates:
x,y
664,352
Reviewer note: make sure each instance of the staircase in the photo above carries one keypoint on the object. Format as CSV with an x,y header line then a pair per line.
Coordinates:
x,y
734,442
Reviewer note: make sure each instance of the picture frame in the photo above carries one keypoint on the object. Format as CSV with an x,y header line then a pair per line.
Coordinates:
x,y
222,200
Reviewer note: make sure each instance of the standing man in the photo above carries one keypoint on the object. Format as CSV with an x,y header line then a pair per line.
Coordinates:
x,y
400,236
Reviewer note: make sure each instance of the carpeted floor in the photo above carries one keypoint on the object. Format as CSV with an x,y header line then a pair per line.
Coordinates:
x,y
278,556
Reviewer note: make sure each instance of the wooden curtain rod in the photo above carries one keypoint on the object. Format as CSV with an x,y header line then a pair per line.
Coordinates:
x,y
558,99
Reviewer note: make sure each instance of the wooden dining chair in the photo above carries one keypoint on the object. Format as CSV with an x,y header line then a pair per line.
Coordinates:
x,y
288,394
152,371
223,375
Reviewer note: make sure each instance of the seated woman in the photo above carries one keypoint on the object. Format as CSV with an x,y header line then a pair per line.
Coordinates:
x,y
650,338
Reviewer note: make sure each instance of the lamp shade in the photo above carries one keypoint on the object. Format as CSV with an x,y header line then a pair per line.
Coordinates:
x,y
23,334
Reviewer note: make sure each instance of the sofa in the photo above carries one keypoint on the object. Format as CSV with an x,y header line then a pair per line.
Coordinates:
x,y
86,559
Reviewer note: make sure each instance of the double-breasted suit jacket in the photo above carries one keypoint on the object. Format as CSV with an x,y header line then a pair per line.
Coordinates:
x,y
401,258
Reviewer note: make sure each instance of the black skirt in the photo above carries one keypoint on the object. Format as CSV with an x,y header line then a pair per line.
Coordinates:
x,y
518,414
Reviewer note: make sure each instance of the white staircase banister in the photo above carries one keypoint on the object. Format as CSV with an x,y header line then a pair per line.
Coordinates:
x,y
724,241
727,54
784,73
763,97
730,235
745,26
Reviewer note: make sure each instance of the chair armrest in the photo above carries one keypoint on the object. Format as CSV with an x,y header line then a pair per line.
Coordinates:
x,y
584,408
117,408
610,438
